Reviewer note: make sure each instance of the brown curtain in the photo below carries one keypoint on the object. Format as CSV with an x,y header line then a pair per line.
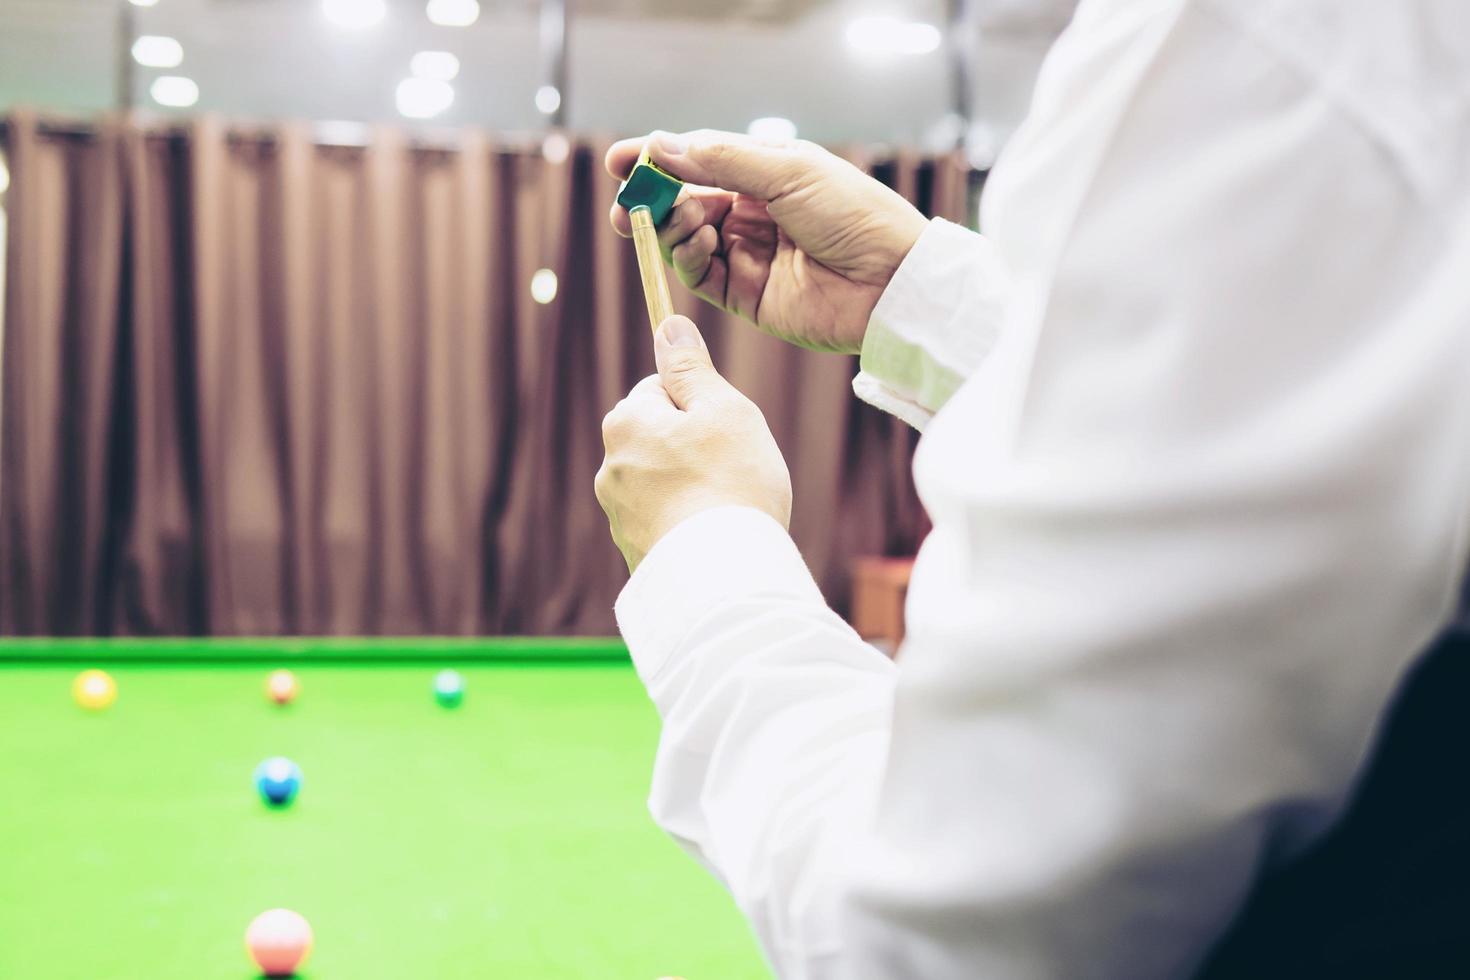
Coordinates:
x,y
256,385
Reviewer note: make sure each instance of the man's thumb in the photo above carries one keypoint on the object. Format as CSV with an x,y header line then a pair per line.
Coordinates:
x,y
730,161
683,361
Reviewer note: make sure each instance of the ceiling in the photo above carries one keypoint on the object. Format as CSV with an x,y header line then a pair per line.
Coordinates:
x,y
21,13
761,11
633,65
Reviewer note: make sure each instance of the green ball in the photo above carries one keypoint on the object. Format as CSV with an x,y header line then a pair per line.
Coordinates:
x,y
449,688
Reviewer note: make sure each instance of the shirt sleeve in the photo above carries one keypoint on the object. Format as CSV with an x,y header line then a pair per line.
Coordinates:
x,y
775,717
934,323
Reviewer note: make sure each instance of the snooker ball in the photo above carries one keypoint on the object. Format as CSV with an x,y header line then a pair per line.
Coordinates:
x,y
278,780
448,688
94,690
279,941
281,687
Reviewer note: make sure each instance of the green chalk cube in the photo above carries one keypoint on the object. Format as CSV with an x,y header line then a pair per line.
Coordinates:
x,y
651,186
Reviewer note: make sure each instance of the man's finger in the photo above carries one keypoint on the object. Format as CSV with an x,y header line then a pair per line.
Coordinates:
x,y
649,392
691,258
684,365
686,218
622,155
622,224
639,408
716,204
731,161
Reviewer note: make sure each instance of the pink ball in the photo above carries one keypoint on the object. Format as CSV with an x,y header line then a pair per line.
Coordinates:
x,y
278,941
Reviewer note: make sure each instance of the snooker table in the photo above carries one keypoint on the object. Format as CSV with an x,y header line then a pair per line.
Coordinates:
x,y
507,837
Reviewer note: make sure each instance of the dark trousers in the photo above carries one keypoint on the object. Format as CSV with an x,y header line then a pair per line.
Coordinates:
x,y
1387,893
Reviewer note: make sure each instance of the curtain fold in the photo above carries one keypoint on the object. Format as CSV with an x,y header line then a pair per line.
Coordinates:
x,y
256,385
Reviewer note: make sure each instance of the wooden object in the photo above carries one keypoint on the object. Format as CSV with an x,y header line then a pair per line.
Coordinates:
x,y
879,588
651,267
649,194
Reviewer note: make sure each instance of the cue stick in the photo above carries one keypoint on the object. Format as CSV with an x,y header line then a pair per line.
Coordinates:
x,y
651,267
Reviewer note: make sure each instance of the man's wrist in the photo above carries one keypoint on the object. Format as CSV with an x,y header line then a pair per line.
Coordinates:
x,y
715,556
934,324
775,505
910,226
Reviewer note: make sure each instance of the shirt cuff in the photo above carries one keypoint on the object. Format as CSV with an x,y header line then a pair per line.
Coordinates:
x,y
719,555
937,320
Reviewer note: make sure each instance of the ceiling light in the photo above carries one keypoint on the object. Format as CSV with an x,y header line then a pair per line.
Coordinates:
x,y
424,98
775,128
548,99
441,66
543,286
174,91
153,51
144,3
889,35
355,15
454,13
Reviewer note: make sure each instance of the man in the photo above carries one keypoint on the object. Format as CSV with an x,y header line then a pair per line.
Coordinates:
x,y
1195,450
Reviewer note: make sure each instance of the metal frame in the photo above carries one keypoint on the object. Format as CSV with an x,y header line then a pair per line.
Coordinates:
x,y
127,31
553,22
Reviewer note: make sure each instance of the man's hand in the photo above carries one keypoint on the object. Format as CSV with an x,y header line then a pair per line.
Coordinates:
x,y
684,441
790,237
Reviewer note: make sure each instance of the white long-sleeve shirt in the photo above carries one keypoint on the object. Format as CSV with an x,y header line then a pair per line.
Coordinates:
x,y
1196,449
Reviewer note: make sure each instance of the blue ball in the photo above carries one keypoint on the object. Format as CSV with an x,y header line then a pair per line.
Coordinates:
x,y
278,780
448,688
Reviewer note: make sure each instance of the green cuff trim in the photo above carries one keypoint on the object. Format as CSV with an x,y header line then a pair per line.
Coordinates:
x,y
907,368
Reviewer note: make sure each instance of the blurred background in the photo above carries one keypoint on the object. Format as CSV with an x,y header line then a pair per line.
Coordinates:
x,y
883,71
311,308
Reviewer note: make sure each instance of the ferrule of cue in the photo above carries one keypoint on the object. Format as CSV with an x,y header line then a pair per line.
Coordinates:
x,y
651,267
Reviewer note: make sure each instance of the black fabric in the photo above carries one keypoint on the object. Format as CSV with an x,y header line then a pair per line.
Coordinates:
x,y
1387,893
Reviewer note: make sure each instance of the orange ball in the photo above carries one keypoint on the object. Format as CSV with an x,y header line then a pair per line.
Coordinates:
x,y
281,687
